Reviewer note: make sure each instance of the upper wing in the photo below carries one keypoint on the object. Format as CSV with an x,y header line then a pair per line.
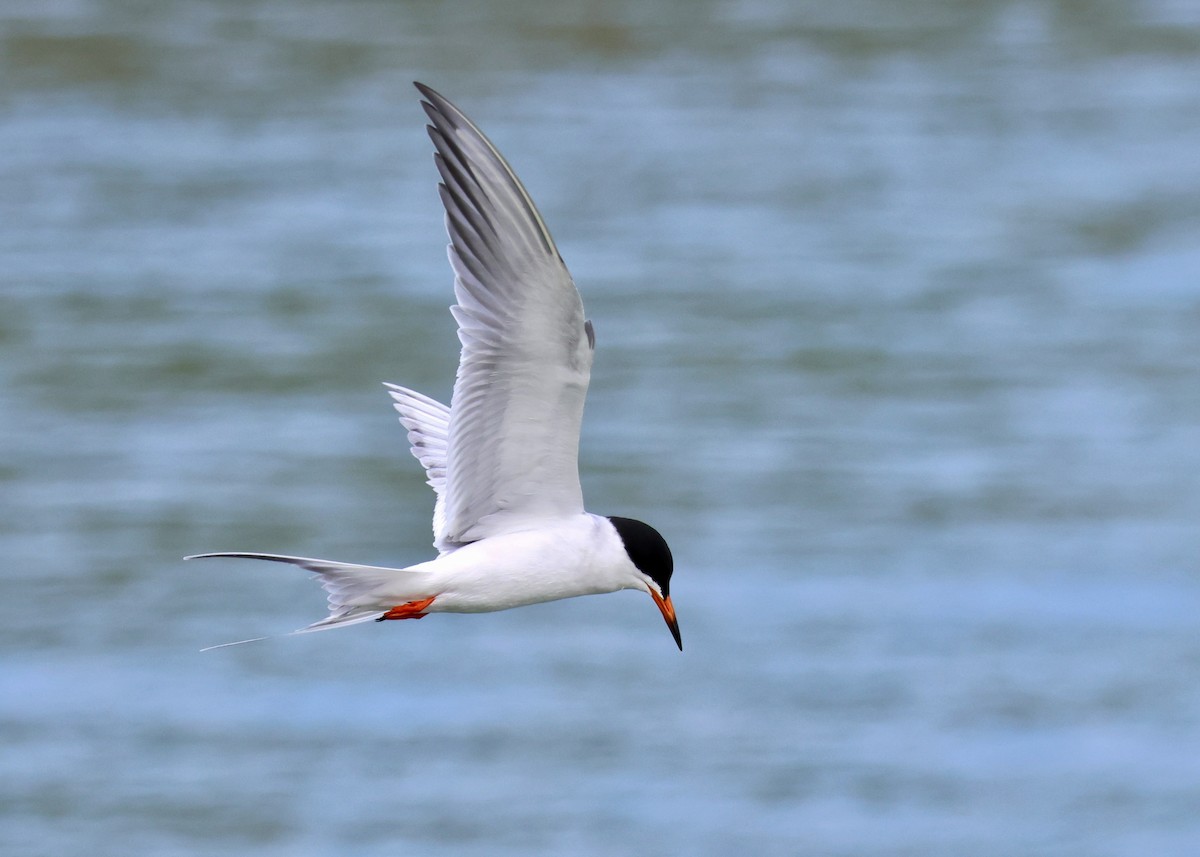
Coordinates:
x,y
513,441
428,424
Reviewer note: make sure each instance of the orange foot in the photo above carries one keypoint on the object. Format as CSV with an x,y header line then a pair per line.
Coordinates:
x,y
408,610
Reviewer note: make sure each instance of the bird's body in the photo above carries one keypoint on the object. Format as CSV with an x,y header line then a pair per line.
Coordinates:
x,y
509,522
574,556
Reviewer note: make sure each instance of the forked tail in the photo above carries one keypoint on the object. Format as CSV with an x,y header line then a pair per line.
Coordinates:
x,y
357,593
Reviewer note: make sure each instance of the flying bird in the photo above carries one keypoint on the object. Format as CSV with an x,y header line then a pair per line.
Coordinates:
x,y
509,523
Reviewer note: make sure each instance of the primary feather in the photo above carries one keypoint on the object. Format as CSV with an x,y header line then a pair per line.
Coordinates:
x,y
513,444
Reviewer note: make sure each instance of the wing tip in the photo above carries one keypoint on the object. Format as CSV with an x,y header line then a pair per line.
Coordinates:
x,y
435,104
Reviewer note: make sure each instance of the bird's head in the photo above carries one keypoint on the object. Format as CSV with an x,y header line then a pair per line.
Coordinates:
x,y
648,552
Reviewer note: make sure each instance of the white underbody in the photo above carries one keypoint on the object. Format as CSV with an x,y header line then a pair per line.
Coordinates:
x,y
578,555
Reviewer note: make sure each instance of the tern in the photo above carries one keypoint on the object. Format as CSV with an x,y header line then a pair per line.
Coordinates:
x,y
509,523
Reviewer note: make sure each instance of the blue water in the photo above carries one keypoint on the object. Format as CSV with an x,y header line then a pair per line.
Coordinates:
x,y
898,322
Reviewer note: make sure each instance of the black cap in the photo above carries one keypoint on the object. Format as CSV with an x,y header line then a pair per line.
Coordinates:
x,y
647,550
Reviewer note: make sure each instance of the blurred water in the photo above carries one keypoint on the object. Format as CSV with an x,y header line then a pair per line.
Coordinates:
x,y
898,315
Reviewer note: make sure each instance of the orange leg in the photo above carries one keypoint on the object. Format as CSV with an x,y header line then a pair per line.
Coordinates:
x,y
408,610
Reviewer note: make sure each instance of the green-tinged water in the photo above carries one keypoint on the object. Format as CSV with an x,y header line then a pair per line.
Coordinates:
x,y
898,324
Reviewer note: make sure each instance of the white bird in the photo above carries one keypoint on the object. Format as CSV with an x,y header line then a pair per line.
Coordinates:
x,y
508,523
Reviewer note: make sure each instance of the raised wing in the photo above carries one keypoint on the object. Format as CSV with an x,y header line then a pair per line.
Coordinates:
x,y
428,423
513,442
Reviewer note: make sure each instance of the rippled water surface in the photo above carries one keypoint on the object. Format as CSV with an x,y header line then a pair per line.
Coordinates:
x,y
898,318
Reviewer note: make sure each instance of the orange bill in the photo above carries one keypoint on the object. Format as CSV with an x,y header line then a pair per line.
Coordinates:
x,y
668,612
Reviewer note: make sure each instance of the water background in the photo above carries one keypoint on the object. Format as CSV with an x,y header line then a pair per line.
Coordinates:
x,y
898,321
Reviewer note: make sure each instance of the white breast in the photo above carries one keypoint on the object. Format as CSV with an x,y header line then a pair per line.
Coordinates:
x,y
581,555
